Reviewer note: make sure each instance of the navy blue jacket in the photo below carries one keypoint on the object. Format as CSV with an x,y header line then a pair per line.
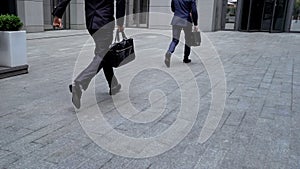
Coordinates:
x,y
182,12
98,13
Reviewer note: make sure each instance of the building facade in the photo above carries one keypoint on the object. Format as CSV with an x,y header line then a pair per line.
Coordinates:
x,y
239,15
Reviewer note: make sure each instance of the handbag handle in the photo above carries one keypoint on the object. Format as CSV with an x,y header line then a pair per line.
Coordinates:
x,y
117,38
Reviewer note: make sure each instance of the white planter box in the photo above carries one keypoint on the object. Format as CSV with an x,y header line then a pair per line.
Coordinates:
x,y
13,48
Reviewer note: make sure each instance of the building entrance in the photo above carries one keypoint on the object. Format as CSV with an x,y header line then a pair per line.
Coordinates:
x,y
138,13
263,15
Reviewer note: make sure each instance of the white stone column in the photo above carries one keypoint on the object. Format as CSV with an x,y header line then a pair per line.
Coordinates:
x,y
77,14
31,14
160,14
207,14
47,14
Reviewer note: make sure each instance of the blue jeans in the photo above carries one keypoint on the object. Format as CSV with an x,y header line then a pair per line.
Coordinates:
x,y
176,36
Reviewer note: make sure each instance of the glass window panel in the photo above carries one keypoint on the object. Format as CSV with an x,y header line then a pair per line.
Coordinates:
x,y
295,25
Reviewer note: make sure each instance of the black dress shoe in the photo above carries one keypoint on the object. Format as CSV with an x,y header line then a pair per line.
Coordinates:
x,y
70,88
76,95
114,90
168,59
187,60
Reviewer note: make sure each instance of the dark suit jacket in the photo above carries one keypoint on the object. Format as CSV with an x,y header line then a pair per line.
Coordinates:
x,y
182,12
98,13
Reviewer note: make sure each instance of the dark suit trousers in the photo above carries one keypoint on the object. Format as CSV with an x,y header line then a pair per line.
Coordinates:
x,y
103,39
176,36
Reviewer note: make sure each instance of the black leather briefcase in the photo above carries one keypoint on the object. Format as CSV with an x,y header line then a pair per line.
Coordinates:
x,y
121,52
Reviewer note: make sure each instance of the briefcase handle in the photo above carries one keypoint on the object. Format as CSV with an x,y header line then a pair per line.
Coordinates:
x,y
117,38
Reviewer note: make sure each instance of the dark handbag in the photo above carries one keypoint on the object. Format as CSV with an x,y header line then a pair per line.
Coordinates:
x,y
121,52
195,39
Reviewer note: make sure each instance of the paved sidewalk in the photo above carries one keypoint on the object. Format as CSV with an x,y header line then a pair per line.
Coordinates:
x,y
260,126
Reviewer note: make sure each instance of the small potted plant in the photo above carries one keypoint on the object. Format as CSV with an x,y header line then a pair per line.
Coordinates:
x,y
12,42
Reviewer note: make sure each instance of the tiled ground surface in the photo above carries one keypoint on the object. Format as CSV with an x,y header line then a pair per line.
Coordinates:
x,y
260,126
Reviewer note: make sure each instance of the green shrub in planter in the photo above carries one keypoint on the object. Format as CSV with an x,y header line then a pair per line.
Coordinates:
x,y
10,23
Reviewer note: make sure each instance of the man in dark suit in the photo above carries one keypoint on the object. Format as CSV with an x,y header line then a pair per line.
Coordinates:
x,y
100,24
185,14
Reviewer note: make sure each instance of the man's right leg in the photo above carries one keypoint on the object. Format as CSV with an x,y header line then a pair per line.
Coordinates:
x,y
176,30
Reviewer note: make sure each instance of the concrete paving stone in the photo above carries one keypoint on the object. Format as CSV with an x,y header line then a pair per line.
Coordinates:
x,y
31,137
268,112
286,96
294,162
275,88
203,114
117,162
222,139
235,118
9,136
173,161
194,150
67,148
73,161
54,135
96,153
286,89
244,103
257,104
264,85
230,163
139,163
170,117
92,164
155,130
4,153
8,159
283,110
262,146
246,130
254,160
23,148
295,107
271,101
77,135
278,130
6,121
28,160
250,91
294,140
279,153
7,110
275,165
294,120
132,129
41,156
212,158
34,165
264,130
234,158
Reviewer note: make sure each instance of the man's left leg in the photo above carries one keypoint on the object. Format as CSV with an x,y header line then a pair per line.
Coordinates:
x,y
114,86
187,47
103,39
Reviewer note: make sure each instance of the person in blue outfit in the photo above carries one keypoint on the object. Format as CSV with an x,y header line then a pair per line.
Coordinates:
x,y
100,24
185,16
